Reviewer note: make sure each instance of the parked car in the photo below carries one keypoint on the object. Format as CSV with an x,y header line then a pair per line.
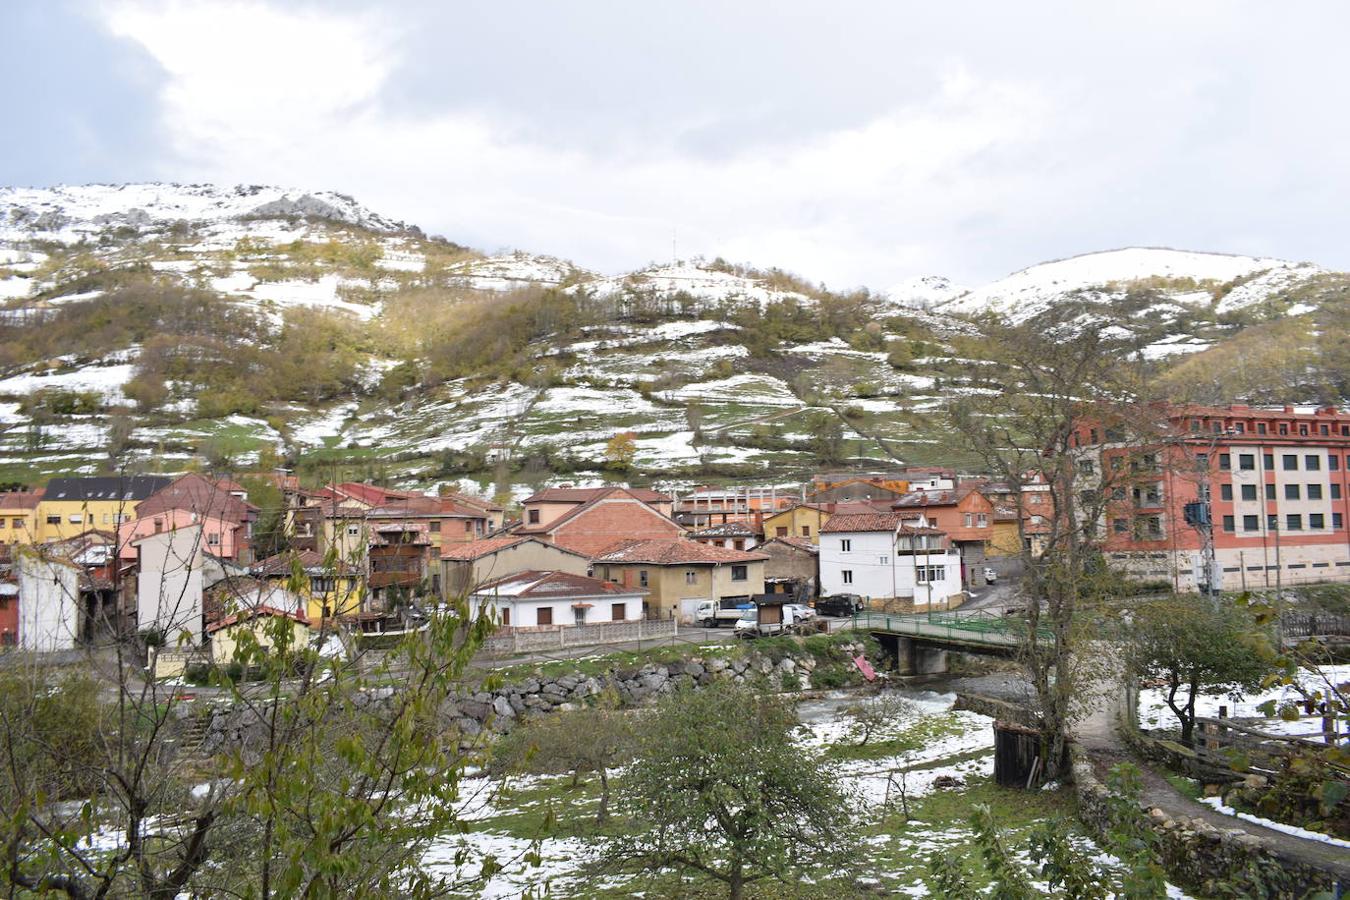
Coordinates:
x,y
800,611
842,605
990,575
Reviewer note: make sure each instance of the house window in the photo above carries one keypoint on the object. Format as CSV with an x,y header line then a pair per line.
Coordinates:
x,y
1317,521
618,612
18,523
740,573
1335,495
1291,492
213,539
1270,492
806,531
1333,462
883,560
969,520
468,526
845,544
1120,526
847,576
1225,492
76,519
1085,467
642,577
982,520
1202,461
579,615
719,543
543,615
353,530
739,543
1251,523
1293,522
435,527
1225,461
1314,492
691,576
1312,462
1247,462
506,615
159,525
1249,492
780,531
1260,427
1269,460
533,516
1336,522
1272,522
927,574
1290,462
1228,523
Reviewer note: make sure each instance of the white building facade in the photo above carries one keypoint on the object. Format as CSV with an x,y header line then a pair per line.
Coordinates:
x,y
888,556
552,599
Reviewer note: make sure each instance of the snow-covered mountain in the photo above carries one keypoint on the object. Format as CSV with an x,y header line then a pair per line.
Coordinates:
x,y
1188,275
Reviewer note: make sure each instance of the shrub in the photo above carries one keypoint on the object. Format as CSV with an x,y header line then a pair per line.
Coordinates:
x,y
831,675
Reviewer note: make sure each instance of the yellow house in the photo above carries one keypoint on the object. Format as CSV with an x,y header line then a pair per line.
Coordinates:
x,y
18,517
225,634
800,521
1005,540
328,591
72,506
679,574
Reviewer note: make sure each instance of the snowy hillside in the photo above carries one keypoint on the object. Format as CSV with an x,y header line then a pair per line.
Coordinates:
x,y
69,214
1029,291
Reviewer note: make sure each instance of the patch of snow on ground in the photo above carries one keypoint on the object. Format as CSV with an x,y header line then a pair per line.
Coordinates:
x,y
321,293
759,390
1267,284
1304,833
329,424
1154,712
705,284
104,380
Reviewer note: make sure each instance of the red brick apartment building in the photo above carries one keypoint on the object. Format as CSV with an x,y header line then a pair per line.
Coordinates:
x,y
1278,482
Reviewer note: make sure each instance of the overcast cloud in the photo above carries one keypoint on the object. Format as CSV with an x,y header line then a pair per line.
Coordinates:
x,y
854,143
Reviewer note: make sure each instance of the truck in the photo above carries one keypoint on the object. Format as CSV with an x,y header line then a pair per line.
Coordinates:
x,y
772,617
713,614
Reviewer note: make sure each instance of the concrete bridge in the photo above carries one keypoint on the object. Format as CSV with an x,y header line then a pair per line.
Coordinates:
x,y
919,642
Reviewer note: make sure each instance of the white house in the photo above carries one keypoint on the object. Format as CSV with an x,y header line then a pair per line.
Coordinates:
x,y
170,583
49,602
548,599
888,555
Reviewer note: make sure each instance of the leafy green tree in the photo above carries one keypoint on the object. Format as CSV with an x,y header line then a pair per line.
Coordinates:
x,y
720,785
1195,647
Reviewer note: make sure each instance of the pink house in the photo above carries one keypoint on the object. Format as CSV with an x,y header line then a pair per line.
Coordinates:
x,y
220,538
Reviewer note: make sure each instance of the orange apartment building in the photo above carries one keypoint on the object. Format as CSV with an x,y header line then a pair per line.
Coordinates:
x,y
1276,482
965,515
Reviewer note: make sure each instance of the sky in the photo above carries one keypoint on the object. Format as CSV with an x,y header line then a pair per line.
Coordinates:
x,y
852,143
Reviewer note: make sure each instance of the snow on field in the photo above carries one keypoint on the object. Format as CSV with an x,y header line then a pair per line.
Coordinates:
x,y
666,331
923,291
1306,834
1027,291
105,380
671,449
322,292
757,390
1174,345
1154,712
834,345
1266,285
401,261
329,424
590,400
704,284
504,273
15,286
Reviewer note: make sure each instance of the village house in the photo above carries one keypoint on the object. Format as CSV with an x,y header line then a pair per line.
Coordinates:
x,y
792,567
71,506
47,609
887,556
494,515
18,517
679,574
547,506
533,599
249,605
736,535
707,506
399,557
609,516
853,487
466,566
329,591
222,507
967,518
801,520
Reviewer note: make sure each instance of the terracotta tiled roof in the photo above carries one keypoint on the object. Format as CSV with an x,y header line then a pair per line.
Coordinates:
x,y
20,499
576,511
584,495
311,561
841,524
675,552
368,493
861,507
466,550
535,585
198,494
246,614
800,543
